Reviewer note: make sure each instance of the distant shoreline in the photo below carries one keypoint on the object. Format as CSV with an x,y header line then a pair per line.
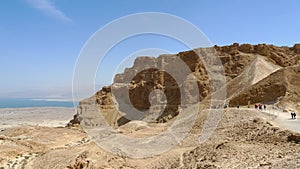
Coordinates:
x,y
29,102
29,108
53,100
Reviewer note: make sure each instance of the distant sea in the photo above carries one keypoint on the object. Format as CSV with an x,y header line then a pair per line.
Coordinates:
x,y
22,103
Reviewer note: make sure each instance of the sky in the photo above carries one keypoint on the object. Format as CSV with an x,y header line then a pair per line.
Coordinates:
x,y
40,40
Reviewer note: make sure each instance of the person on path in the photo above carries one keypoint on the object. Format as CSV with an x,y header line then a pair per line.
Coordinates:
x,y
260,106
293,114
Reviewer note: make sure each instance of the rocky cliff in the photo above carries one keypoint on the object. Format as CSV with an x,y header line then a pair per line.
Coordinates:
x,y
254,73
281,87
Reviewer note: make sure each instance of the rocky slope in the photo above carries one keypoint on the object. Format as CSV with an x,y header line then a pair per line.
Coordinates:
x,y
281,86
243,139
244,66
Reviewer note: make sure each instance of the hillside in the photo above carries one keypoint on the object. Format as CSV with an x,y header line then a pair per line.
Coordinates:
x,y
281,87
245,66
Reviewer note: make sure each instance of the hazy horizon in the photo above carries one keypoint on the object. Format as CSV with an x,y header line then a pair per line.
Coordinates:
x,y
41,39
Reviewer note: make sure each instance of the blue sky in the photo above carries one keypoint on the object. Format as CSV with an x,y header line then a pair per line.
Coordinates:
x,y
40,39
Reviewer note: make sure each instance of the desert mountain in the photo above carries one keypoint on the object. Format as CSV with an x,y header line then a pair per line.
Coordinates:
x,y
254,74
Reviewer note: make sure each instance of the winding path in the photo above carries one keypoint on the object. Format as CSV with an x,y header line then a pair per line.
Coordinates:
x,y
283,119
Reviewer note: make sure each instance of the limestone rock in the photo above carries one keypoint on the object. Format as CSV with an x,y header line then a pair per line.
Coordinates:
x,y
131,89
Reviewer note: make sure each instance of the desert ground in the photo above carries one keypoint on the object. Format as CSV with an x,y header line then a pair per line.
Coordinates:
x,y
244,138
42,116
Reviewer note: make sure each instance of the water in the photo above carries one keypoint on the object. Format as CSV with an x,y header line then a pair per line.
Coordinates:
x,y
20,103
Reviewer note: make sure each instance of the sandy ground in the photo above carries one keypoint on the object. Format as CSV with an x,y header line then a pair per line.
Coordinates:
x,y
41,116
284,120
241,140
279,118
57,117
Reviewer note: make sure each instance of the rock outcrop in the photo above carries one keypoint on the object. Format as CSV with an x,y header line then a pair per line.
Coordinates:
x,y
281,87
145,83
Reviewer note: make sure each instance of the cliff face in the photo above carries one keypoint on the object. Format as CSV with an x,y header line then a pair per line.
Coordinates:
x,y
246,69
145,84
282,86
282,56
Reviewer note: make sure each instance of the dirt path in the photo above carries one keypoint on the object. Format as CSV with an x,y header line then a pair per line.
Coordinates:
x,y
284,120
281,119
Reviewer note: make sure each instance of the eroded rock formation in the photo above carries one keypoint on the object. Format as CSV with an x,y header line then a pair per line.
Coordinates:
x,y
145,78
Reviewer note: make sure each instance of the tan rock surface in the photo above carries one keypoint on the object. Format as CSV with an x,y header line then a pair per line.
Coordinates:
x,y
244,66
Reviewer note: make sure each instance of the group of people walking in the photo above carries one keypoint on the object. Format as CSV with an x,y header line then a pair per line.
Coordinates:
x,y
293,114
260,106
